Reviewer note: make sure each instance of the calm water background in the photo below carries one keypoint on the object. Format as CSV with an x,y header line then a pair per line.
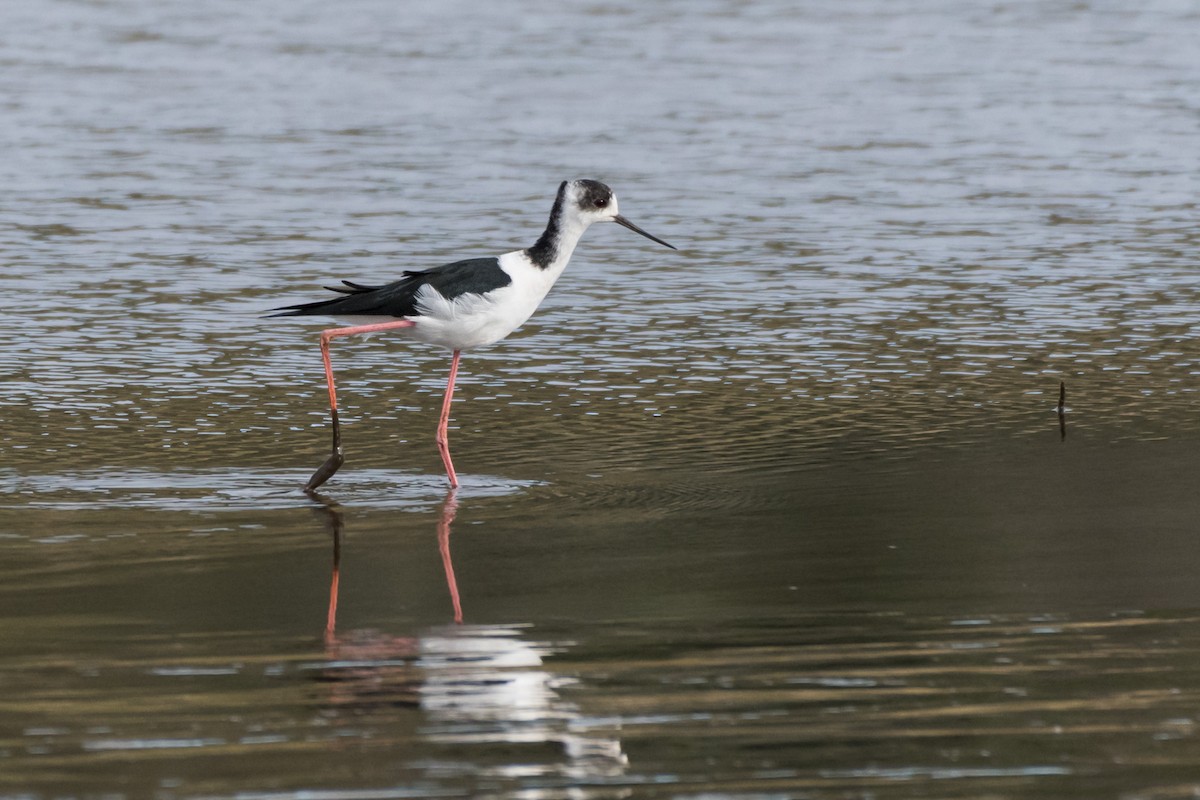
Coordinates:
x,y
788,513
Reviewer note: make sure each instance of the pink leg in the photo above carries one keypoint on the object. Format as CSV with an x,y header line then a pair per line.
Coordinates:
x,y
335,460
443,441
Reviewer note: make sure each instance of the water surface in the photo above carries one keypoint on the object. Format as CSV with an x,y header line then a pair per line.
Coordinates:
x,y
788,513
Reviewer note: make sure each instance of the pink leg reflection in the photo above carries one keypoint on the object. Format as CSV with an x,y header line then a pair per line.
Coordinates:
x,y
449,510
331,616
331,511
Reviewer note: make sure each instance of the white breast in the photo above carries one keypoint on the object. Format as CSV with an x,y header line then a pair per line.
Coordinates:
x,y
473,320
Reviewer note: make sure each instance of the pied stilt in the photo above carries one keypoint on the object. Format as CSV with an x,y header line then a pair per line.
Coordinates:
x,y
464,304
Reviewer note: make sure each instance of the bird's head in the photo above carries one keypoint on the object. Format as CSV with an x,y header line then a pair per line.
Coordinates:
x,y
591,201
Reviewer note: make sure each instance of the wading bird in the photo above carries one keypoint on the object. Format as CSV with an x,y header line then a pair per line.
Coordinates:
x,y
465,304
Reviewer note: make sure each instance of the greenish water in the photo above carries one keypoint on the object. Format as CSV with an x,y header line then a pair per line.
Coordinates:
x,y
789,513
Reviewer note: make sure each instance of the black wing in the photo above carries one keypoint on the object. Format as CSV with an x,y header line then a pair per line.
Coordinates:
x,y
399,298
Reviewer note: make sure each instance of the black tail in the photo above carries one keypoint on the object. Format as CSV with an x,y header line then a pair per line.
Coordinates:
x,y
348,303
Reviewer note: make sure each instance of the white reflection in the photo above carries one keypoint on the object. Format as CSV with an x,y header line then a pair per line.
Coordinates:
x,y
488,684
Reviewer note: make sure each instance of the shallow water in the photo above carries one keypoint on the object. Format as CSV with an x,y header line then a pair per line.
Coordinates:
x,y
788,513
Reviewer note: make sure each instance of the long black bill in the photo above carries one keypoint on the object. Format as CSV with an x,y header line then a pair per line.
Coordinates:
x,y
622,221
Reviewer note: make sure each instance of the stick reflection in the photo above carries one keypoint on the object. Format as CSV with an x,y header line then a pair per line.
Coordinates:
x,y
1062,411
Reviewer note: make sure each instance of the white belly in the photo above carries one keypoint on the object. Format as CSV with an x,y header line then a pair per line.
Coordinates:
x,y
471,320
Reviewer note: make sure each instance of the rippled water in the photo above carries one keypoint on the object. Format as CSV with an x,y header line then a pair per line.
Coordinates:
x,y
788,513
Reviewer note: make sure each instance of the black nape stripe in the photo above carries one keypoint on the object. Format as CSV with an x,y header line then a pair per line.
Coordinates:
x,y
546,247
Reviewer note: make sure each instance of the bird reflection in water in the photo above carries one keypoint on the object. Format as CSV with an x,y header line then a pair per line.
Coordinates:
x,y
335,520
473,684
